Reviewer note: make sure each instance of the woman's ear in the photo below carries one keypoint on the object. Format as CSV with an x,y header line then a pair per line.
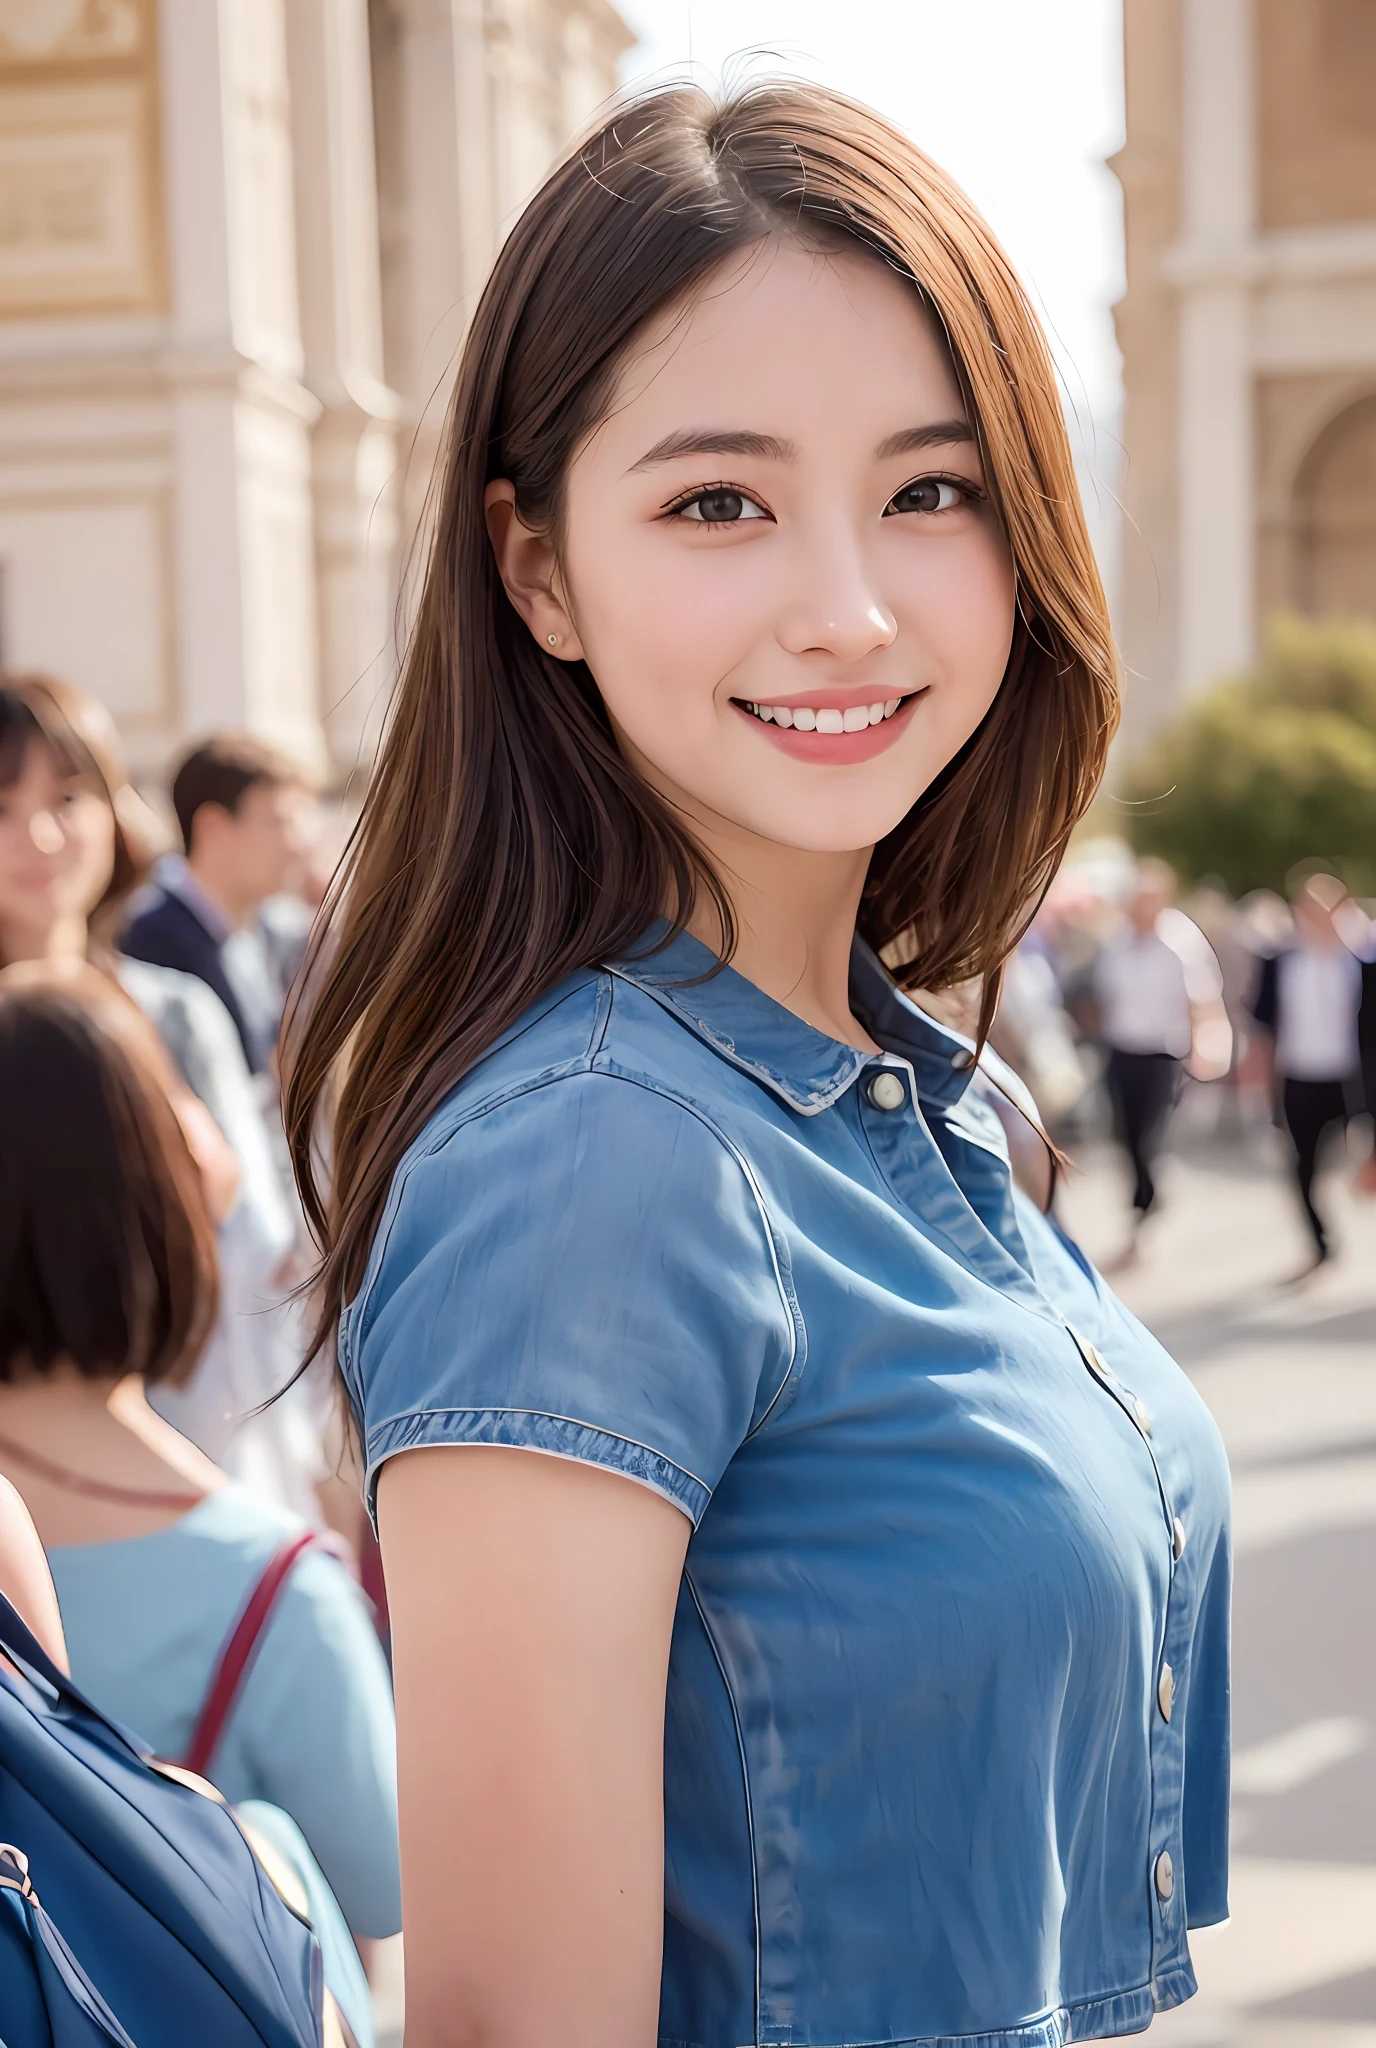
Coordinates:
x,y
529,570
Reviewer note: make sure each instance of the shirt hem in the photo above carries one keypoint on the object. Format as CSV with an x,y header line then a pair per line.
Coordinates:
x,y
528,1429
1093,2019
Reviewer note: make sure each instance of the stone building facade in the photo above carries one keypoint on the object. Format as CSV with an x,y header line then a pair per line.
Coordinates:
x,y
1248,330
239,242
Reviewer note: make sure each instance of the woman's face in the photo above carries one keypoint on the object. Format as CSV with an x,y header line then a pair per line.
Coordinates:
x,y
57,847
779,560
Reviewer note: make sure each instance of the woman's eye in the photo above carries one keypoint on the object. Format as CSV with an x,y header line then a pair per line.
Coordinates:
x,y
719,507
927,494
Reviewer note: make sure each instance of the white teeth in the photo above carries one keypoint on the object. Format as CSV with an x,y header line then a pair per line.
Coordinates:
x,y
855,718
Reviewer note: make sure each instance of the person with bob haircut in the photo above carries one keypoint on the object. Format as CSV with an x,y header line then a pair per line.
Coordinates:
x,y
108,1286
809,1586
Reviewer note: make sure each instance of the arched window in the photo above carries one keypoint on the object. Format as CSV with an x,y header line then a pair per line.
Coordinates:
x,y
1335,518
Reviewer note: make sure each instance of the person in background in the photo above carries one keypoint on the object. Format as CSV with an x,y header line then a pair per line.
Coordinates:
x,y
108,1285
75,843
1316,1004
27,1583
25,1579
246,817
1159,992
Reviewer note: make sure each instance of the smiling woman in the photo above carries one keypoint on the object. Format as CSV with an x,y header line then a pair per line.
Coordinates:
x,y
696,596
829,1672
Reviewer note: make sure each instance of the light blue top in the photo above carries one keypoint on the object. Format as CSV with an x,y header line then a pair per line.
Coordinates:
x,y
926,1778
313,1729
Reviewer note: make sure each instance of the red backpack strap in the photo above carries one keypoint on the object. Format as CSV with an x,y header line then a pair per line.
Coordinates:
x,y
241,1646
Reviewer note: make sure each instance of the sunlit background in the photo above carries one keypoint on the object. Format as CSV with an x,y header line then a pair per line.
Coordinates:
x,y
1022,103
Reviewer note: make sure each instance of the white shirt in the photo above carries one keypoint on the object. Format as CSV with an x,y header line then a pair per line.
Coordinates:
x,y
1318,993
1147,981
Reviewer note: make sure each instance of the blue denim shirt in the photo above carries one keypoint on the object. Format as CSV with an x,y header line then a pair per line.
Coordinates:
x,y
946,1753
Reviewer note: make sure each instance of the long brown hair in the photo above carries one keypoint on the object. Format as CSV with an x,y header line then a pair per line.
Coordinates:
x,y
505,842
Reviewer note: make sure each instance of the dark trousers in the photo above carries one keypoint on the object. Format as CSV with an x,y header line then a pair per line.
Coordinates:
x,y
1142,1088
1310,1109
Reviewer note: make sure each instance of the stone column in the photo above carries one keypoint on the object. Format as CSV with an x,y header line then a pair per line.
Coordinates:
x,y
243,556
1217,548
353,449
436,197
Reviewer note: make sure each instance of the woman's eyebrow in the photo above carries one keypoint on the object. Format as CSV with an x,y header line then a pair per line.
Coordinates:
x,y
716,441
939,434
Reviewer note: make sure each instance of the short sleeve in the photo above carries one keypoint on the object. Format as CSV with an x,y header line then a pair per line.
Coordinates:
x,y
583,1269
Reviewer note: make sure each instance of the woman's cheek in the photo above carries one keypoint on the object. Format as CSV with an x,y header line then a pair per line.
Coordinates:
x,y
973,622
93,831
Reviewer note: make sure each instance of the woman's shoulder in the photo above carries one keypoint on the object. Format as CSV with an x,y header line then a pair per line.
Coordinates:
x,y
585,1130
596,1046
193,1023
163,991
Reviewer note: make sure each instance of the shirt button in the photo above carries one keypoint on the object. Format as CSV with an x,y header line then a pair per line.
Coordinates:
x,y
1165,1691
1143,1415
1165,1876
886,1091
1177,1539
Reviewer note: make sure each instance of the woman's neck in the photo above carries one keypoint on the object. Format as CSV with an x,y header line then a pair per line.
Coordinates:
x,y
99,1430
795,914
68,938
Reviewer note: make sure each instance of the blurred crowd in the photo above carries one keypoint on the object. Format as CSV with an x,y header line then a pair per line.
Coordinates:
x,y
187,1480
181,1470
1125,992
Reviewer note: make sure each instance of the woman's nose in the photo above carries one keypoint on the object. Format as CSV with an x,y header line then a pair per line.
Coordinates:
x,y
837,609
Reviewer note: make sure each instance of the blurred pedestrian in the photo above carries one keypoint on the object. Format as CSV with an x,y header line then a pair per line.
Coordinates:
x,y
1160,1010
108,1285
75,842
245,812
1316,1002
26,1581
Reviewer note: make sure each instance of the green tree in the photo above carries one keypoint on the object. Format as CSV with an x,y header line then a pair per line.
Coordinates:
x,y
1270,768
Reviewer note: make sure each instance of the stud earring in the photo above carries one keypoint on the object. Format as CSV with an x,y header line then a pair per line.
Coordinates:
x,y
553,639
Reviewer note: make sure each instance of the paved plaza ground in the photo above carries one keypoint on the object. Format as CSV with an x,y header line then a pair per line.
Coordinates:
x,y
1290,1374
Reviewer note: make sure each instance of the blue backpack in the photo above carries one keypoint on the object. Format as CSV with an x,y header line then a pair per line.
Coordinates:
x,y
133,1911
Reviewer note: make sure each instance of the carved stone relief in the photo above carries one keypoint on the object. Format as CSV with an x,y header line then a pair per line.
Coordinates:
x,y
80,213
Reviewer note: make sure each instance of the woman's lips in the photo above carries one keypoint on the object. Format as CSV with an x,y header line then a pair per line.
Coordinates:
x,y
834,747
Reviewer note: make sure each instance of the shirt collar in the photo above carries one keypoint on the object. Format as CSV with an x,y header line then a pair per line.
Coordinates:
x,y
797,1062
175,876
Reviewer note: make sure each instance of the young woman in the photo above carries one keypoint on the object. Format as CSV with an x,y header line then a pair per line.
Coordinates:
x,y
108,1285
849,1663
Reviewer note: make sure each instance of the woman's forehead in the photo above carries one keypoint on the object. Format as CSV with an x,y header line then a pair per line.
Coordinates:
x,y
789,341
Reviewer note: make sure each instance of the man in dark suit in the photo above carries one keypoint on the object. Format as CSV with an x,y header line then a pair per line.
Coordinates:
x,y
1316,1001
245,813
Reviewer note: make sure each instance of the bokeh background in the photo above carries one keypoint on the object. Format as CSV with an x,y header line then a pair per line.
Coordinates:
x,y
239,244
